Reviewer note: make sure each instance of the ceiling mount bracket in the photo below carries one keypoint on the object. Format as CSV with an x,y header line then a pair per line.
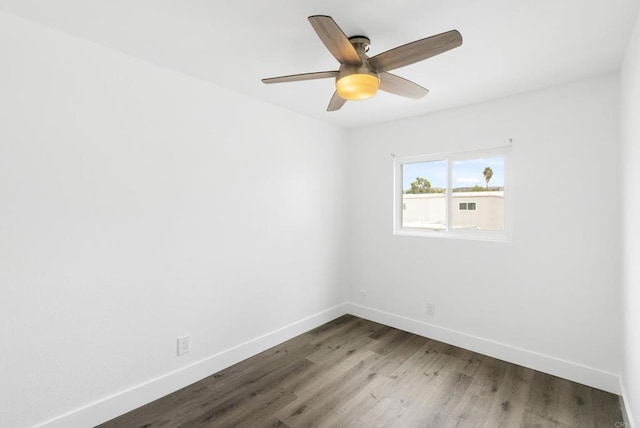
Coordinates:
x,y
362,41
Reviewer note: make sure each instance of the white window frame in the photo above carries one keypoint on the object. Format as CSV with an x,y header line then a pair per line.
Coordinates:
x,y
449,232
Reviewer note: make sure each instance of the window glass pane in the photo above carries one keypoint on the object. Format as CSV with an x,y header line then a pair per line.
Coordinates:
x,y
424,197
479,184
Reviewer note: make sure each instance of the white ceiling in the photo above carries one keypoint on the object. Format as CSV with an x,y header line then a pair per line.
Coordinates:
x,y
510,46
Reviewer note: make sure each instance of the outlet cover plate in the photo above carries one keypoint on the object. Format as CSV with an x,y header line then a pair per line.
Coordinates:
x,y
183,345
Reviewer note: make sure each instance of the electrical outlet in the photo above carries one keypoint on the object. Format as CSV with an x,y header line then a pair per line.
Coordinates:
x,y
431,309
183,345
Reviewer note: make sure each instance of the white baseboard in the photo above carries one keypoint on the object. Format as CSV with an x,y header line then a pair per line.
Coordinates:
x,y
590,376
626,410
139,395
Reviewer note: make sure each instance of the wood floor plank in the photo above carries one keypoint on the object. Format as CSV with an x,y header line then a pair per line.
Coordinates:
x,y
541,409
487,377
330,347
398,356
343,415
509,404
350,328
168,411
334,370
332,326
567,403
309,409
356,373
270,358
583,410
404,398
435,410
608,406
247,401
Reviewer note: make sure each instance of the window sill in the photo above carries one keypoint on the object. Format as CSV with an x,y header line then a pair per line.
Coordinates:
x,y
474,236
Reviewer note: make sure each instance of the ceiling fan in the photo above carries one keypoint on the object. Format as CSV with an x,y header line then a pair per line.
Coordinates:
x,y
359,77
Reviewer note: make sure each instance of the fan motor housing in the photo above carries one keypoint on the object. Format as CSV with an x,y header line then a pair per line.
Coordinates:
x,y
361,44
349,69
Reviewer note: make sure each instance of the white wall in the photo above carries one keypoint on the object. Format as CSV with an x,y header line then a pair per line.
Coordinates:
x,y
138,205
550,298
631,237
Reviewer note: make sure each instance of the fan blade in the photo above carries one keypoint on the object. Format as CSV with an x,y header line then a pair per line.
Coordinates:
x,y
335,40
336,102
415,51
400,86
298,77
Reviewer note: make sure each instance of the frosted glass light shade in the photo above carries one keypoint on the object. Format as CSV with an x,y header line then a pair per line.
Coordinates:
x,y
359,86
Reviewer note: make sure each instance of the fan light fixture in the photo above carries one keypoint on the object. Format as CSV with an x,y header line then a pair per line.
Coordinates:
x,y
359,86
360,76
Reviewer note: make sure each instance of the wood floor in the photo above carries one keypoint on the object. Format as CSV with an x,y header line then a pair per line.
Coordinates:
x,y
356,373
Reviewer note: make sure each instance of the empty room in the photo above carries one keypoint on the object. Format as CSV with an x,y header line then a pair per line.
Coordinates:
x,y
319,214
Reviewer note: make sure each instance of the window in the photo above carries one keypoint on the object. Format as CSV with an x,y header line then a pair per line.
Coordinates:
x,y
461,195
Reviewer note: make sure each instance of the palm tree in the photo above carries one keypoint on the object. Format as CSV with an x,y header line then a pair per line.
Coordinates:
x,y
488,173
